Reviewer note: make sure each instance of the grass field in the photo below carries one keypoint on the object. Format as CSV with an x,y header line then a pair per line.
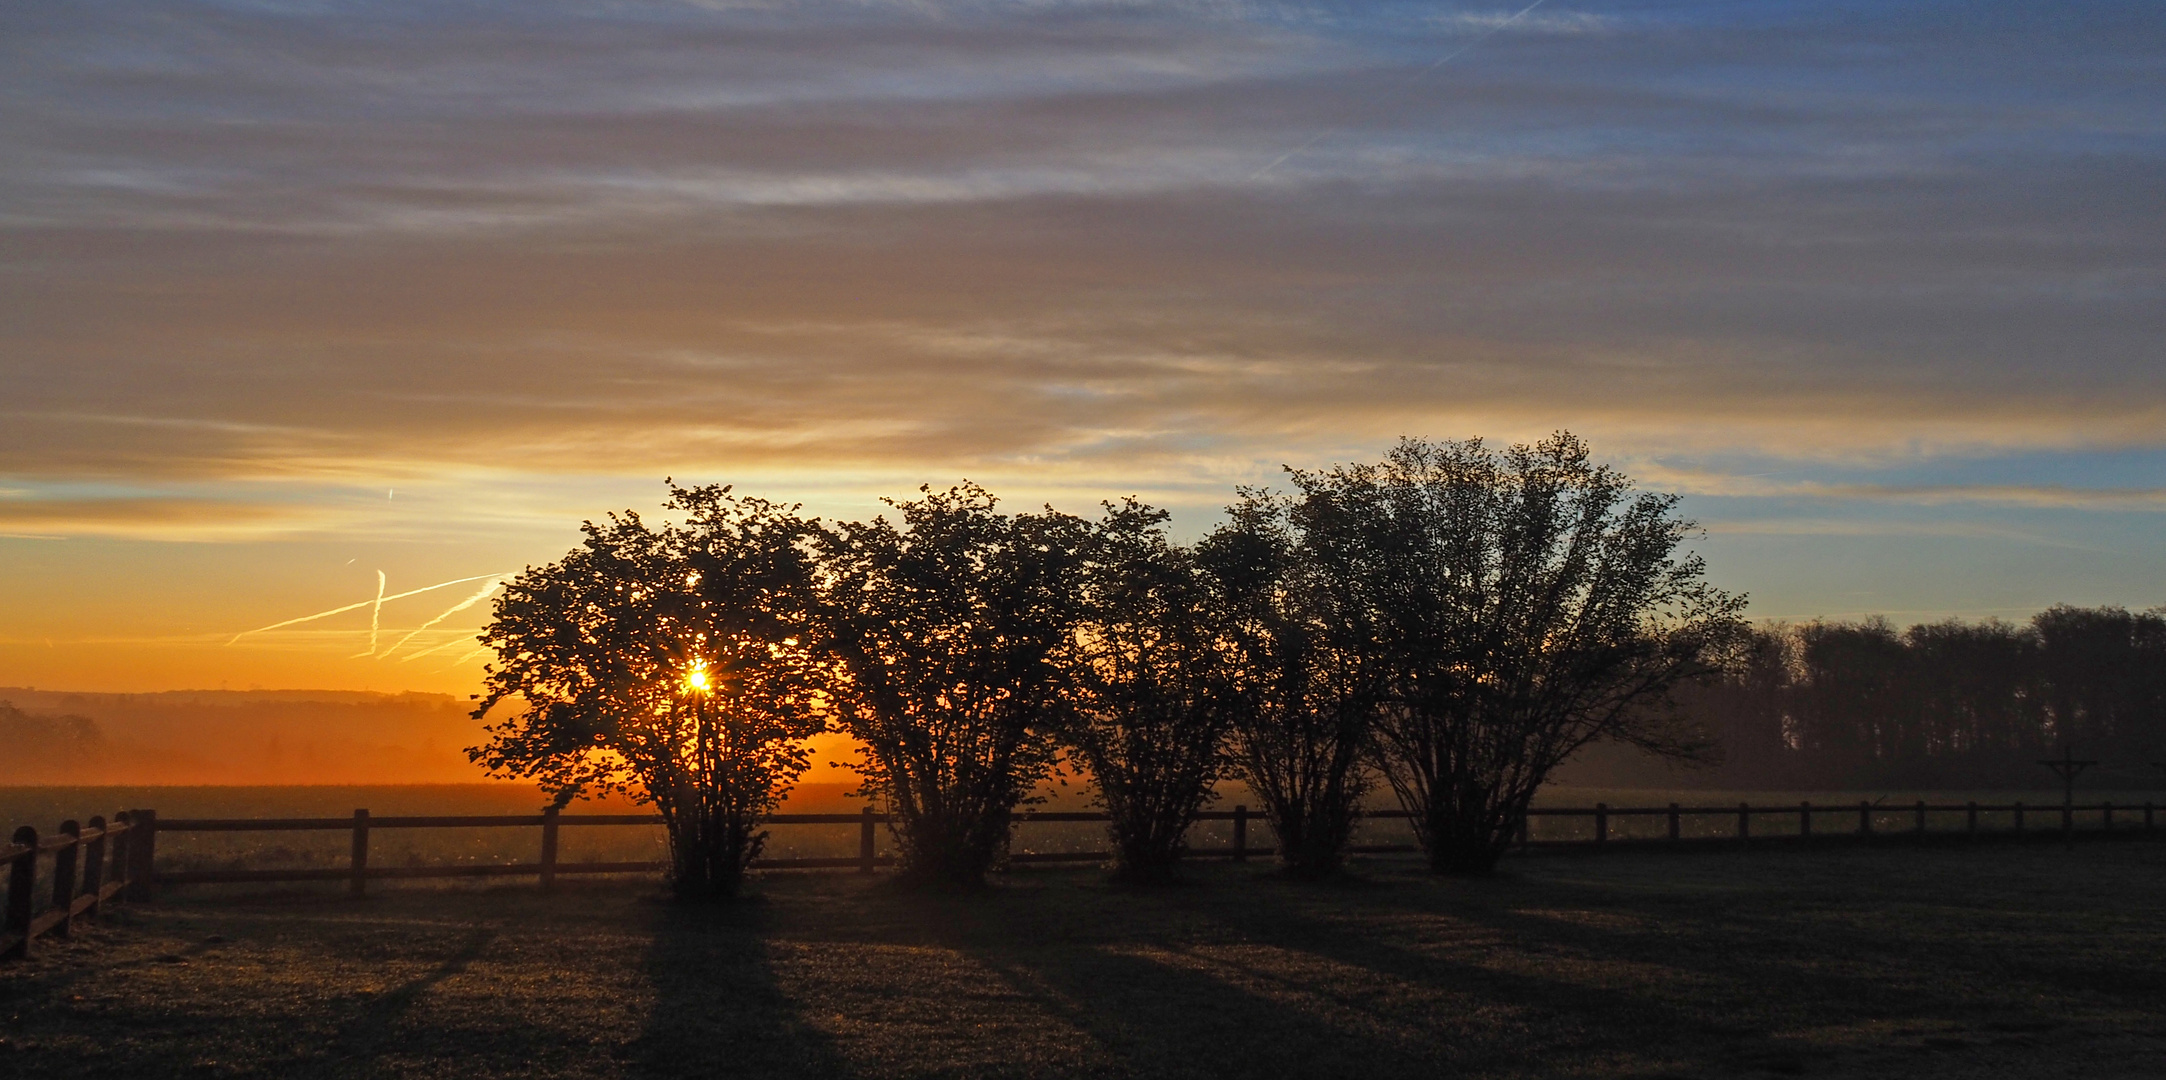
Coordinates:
x,y
1999,961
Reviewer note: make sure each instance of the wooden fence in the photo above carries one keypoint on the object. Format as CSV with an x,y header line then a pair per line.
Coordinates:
x,y
95,864
91,866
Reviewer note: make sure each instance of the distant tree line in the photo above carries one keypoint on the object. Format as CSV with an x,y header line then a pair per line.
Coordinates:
x,y
40,745
1451,623
1862,705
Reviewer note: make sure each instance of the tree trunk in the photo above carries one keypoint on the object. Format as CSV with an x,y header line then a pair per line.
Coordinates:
x,y
1149,839
707,858
1465,848
943,853
1144,854
1312,840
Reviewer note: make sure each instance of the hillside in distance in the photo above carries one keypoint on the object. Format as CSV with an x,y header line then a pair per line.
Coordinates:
x,y
235,737
262,737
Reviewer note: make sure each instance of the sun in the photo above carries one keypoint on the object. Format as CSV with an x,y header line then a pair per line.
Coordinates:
x,y
696,679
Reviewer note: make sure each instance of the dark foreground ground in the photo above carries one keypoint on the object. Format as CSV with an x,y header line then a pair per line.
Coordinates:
x,y
2003,962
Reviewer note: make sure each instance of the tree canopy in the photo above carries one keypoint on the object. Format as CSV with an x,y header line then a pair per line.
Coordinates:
x,y
1148,687
669,664
1454,620
1502,610
943,629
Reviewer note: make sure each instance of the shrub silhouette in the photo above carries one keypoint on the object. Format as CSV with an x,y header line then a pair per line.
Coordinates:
x,y
942,631
671,665
1149,688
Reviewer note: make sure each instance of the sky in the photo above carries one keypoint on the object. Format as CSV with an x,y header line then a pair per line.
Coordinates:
x,y
294,295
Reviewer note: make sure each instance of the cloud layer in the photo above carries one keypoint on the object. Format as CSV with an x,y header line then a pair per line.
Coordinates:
x,y
261,239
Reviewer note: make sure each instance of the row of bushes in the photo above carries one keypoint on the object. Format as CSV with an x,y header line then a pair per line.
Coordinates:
x,y
1453,622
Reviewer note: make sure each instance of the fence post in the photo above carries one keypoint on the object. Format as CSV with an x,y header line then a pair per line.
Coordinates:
x,y
549,848
2068,822
94,865
117,861
1744,822
1601,823
359,884
1970,823
142,850
1675,832
1805,821
1865,818
2148,824
867,842
1240,833
123,864
1526,828
64,863
1921,817
22,877
2105,818
2019,817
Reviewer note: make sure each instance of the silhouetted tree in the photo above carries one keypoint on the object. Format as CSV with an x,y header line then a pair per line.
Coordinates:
x,y
1301,725
1504,610
2102,677
1855,696
1148,693
1970,714
668,664
46,749
944,631
1746,714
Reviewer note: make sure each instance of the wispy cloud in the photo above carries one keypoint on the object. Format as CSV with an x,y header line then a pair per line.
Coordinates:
x,y
1855,527
2053,496
156,517
1546,22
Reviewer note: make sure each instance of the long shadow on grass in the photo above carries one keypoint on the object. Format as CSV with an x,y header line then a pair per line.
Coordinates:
x,y
377,1026
1168,1013
1542,988
717,1010
1708,975
1045,961
1807,939
1265,981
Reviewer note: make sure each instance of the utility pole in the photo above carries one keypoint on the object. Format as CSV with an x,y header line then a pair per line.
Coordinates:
x,y
2068,768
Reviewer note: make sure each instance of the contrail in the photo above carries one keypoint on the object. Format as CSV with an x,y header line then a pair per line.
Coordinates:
x,y
463,659
487,587
379,600
432,650
1417,77
376,615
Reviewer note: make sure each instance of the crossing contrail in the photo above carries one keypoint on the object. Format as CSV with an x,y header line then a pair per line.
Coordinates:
x,y
379,600
1410,83
480,594
376,615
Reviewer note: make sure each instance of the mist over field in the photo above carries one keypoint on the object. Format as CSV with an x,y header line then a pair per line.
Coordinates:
x,y
235,737
249,737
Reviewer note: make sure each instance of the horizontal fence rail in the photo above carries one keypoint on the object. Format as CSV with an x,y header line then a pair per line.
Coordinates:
x,y
101,862
92,865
